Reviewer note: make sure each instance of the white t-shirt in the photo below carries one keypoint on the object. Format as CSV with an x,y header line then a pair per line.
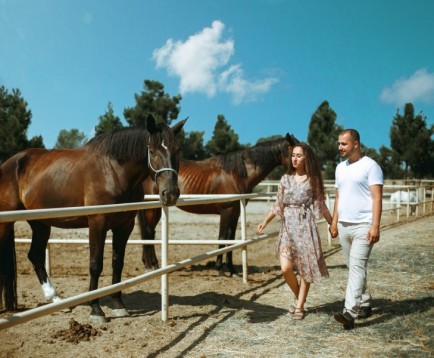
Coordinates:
x,y
353,182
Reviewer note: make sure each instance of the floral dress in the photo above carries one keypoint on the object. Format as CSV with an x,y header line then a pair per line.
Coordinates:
x,y
299,239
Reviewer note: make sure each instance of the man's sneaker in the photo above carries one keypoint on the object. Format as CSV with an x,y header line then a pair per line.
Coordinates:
x,y
346,319
365,312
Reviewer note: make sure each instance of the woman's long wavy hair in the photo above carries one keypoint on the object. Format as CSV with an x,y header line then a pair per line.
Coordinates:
x,y
313,170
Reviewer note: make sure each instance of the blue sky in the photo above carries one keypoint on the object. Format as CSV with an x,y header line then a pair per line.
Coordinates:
x,y
266,65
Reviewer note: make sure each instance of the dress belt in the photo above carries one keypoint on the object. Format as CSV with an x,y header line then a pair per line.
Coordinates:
x,y
303,207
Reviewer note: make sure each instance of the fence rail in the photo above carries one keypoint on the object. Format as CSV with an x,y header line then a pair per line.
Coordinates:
x,y
242,244
424,191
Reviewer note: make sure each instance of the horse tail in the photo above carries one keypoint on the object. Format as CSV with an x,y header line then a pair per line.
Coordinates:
x,y
8,262
8,268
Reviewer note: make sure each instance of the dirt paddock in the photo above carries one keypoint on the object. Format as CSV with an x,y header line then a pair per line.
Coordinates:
x,y
212,316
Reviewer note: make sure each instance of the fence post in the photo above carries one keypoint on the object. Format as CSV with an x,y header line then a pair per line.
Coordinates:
x,y
408,202
164,255
432,198
424,199
399,205
244,238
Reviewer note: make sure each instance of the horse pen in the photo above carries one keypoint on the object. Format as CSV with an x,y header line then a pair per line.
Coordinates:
x,y
212,316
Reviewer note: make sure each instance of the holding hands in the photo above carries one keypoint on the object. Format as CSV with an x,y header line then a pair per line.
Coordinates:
x,y
333,229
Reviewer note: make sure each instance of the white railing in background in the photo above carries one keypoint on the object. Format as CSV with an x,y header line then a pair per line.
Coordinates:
x,y
242,244
424,190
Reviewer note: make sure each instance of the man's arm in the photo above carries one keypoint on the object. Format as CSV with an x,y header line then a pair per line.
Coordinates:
x,y
334,225
377,207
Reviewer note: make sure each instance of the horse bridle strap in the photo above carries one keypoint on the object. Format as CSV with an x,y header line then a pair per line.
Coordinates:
x,y
158,171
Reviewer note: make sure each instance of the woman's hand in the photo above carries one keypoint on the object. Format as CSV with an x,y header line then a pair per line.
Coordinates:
x,y
261,227
333,229
264,223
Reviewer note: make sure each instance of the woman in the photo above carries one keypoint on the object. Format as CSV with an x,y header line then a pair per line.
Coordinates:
x,y
299,203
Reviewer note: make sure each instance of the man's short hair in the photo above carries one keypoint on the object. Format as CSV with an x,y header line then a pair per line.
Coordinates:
x,y
354,134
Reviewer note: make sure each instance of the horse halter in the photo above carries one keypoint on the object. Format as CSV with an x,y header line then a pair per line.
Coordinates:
x,y
158,171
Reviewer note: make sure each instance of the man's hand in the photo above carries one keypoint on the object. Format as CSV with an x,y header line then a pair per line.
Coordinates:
x,y
373,235
333,229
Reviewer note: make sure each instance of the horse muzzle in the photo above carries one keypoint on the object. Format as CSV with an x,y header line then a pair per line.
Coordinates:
x,y
169,197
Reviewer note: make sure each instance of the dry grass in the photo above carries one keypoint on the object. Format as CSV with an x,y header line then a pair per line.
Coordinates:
x,y
254,323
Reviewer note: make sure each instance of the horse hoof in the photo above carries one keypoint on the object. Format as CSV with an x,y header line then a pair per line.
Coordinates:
x,y
98,319
120,312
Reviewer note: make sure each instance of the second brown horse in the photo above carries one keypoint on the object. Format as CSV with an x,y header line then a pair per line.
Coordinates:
x,y
231,173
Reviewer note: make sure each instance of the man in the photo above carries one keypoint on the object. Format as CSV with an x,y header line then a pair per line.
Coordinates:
x,y
356,218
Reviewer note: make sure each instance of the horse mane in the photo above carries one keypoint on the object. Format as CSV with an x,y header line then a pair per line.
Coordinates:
x,y
130,143
262,154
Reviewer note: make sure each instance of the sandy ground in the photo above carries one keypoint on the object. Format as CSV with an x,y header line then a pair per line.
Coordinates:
x,y
212,316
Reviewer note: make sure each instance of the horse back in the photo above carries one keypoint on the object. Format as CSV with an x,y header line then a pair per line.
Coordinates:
x,y
204,177
40,178
50,178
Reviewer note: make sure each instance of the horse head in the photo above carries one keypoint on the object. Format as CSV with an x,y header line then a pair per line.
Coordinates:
x,y
163,159
290,142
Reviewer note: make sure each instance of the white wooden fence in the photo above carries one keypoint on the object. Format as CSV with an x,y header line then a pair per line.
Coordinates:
x,y
242,244
423,203
424,197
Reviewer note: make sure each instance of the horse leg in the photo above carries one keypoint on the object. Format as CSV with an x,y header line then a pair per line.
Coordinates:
x,y
36,255
148,220
8,268
97,236
222,236
120,238
228,217
232,229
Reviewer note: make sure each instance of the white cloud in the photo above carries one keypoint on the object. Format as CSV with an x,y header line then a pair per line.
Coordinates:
x,y
418,87
232,81
200,64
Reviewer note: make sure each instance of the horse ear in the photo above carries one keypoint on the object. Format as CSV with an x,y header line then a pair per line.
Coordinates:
x,y
178,126
150,124
291,139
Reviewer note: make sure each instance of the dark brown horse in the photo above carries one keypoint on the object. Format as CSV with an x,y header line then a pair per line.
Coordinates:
x,y
109,169
232,173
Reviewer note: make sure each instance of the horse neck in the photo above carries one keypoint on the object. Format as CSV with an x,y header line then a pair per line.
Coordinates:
x,y
257,173
134,173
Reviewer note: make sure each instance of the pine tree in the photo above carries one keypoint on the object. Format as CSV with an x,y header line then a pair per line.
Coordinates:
x,y
108,121
411,142
322,137
15,119
153,100
70,139
224,139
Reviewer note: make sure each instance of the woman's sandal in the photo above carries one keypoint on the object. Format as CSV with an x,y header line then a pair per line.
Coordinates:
x,y
298,314
292,308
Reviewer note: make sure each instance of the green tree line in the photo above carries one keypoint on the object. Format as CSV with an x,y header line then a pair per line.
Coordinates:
x,y
411,152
